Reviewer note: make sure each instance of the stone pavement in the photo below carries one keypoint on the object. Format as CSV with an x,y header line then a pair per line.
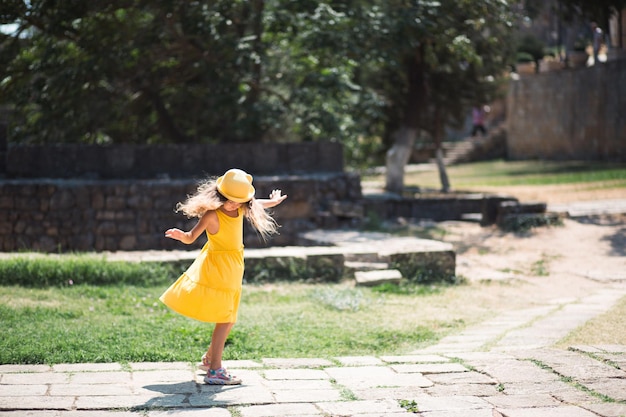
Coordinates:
x,y
504,367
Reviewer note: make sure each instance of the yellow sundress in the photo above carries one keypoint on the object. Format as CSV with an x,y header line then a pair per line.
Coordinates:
x,y
210,289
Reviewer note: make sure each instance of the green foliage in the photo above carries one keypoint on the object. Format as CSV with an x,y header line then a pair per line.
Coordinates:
x,y
408,288
524,57
152,72
46,271
409,405
532,46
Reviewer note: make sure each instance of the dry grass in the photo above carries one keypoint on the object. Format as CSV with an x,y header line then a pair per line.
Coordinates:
x,y
606,329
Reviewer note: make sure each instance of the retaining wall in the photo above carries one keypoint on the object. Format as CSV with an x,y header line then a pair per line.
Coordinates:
x,y
55,215
58,198
574,114
168,161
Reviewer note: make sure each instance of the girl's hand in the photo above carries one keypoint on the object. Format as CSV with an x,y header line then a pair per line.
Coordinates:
x,y
175,234
276,197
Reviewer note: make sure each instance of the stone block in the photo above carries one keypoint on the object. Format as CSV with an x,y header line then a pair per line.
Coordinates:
x,y
325,268
525,221
424,267
377,277
275,268
515,207
87,161
330,157
347,209
301,157
119,161
490,208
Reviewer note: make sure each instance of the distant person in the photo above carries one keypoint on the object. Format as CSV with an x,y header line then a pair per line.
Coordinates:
x,y
478,121
598,41
210,289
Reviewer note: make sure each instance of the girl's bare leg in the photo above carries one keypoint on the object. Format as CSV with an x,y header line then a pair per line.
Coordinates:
x,y
220,333
206,358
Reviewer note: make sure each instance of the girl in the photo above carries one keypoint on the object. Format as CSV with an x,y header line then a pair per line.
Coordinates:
x,y
210,289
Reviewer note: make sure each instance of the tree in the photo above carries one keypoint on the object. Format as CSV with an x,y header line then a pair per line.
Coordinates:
x,y
432,62
159,71
130,71
598,10
139,71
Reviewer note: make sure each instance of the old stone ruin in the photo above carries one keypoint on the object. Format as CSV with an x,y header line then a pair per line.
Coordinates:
x,y
119,199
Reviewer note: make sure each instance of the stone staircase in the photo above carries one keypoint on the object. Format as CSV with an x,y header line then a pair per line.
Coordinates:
x,y
368,272
373,258
476,148
458,152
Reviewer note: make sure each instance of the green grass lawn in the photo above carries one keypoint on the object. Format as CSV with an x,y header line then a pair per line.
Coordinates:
x,y
503,173
85,323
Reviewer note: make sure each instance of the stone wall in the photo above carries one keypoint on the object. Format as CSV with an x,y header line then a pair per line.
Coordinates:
x,y
436,208
575,114
168,161
63,198
58,215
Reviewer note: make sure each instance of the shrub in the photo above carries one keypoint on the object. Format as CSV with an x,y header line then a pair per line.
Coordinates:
x,y
524,57
531,45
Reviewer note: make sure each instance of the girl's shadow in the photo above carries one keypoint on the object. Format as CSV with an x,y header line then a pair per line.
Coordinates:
x,y
183,395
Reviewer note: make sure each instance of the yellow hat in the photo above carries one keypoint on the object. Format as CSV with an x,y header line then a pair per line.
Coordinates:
x,y
236,185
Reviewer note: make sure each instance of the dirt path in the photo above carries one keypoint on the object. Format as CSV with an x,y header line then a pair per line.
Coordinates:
x,y
555,262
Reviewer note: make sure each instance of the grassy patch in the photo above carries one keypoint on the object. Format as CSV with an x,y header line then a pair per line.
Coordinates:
x,y
508,173
575,384
42,271
125,323
605,329
409,405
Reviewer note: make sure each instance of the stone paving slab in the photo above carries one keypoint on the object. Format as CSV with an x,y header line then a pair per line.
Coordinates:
x,y
566,411
474,384
608,409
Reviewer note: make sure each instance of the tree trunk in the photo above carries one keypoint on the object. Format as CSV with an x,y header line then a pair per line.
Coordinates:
x,y
438,133
443,175
404,138
397,157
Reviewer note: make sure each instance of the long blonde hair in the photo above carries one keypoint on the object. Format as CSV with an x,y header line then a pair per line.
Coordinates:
x,y
207,198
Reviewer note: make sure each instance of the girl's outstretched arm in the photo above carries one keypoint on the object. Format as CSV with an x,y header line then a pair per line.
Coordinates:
x,y
276,197
207,222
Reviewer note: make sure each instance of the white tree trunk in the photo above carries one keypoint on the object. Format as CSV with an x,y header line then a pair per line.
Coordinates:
x,y
443,175
397,158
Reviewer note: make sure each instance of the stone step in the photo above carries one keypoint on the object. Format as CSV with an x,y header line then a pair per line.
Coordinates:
x,y
352,267
419,260
366,266
377,277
